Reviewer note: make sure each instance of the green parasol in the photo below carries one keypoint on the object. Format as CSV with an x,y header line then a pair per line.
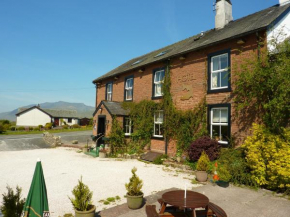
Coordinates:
x,y
36,204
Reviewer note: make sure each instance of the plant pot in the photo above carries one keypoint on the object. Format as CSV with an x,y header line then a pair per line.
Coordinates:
x,y
223,184
89,213
201,176
85,150
178,159
134,202
102,154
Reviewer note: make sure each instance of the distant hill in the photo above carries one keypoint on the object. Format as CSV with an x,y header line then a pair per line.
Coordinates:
x,y
81,108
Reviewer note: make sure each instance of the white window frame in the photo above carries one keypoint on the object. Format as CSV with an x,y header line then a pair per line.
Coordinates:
x,y
109,92
160,123
218,124
127,89
159,82
219,72
128,125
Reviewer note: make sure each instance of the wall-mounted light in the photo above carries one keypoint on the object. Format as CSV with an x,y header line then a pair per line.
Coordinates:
x,y
116,77
98,83
183,57
107,122
100,109
241,41
142,70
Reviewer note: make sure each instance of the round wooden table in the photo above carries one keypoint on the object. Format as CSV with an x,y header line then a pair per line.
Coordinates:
x,y
193,199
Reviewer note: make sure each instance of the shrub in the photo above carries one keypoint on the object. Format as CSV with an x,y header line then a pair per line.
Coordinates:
x,y
117,137
75,126
233,160
30,128
135,184
48,126
82,197
224,173
13,128
65,127
1,128
203,162
20,128
40,127
205,143
268,157
159,160
36,129
12,203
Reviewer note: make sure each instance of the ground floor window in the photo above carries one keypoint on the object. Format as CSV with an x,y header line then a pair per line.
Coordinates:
x,y
128,126
69,120
158,124
219,122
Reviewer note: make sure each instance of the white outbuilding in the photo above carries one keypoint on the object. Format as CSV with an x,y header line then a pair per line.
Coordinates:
x,y
35,116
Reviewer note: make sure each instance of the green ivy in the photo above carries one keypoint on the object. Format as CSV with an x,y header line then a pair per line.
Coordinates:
x,y
117,137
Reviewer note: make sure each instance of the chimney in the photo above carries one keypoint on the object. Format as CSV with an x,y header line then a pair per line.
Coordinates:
x,y
284,2
223,13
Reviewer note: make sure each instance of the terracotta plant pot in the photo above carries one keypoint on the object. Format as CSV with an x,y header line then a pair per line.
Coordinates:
x,y
102,154
134,202
89,213
201,176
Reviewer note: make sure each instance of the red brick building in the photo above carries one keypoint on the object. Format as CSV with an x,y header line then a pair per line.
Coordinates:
x,y
201,65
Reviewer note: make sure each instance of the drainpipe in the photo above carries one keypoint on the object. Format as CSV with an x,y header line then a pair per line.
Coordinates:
x,y
166,74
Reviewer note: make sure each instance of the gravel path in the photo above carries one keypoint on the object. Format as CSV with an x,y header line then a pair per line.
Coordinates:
x,y
64,166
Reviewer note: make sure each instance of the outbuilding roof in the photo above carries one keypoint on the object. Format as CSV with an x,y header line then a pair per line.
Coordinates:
x,y
238,28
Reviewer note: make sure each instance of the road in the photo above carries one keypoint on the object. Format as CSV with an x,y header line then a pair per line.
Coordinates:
x,y
35,141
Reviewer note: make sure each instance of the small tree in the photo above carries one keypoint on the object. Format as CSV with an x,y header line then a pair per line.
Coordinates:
x,y
12,203
117,137
135,184
82,200
203,162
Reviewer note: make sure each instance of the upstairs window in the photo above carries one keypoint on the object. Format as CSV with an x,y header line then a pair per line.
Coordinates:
x,y
158,82
129,89
219,73
158,124
109,91
128,126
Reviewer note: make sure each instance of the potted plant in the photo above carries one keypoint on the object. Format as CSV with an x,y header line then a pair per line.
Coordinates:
x,y
224,176
82,201
202,167
134,193
102,153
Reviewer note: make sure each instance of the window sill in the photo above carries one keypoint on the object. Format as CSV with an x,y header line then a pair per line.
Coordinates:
x,y
158,137
128,100
156,97
222,90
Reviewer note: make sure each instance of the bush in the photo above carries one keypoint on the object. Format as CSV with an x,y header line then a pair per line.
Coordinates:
x,y
36,129
40,127
205,143
268,157
30,128
75,126
48,126
12,203
1,128
13,128
159,160
135,184
82,197
203,162
234,161
20,128
65,127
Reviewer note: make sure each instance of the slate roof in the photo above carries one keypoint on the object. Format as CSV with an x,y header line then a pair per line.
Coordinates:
x,y
238,28
52,112
114,108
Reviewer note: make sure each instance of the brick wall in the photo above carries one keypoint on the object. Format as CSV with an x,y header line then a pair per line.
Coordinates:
x,y
189,83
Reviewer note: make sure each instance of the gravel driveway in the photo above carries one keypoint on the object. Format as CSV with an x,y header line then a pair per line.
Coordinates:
x,y
64,166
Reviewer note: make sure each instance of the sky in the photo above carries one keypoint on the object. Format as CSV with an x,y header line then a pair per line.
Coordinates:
x,y
52,50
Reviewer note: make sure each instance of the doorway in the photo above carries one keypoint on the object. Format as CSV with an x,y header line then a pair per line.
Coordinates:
x,y
56,122
101,128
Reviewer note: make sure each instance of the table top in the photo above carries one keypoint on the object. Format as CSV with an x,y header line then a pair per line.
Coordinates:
x,y
193,199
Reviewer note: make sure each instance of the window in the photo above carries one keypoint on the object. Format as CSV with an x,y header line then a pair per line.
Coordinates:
x,y
128,126
158,82
69,120
219,123
219,73
158,124
129,88
109,91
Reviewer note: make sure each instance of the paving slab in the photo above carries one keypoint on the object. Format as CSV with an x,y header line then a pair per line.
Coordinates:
x,y
236,201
